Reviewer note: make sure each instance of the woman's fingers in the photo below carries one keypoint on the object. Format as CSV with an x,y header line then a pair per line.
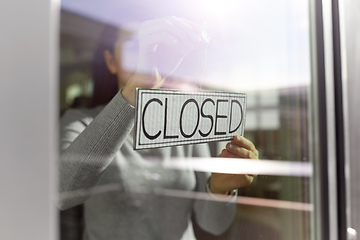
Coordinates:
x,y
227,154
239,147
151,41
195,26
171,49
188,37
193,33
163,45
242,142
240,152
176,26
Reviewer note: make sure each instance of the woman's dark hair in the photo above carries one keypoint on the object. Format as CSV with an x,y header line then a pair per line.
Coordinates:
x,y
105,83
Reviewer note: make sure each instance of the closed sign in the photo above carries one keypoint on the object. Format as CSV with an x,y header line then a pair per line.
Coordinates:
x,y
168,117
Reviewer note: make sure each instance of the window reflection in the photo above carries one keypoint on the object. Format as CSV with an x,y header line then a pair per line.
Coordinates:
x,y
259,48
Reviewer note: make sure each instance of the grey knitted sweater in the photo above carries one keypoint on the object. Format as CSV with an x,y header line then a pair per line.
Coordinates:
x,y
98,167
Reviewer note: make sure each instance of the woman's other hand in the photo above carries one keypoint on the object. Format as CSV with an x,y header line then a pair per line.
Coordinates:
x,y
163,44
239,147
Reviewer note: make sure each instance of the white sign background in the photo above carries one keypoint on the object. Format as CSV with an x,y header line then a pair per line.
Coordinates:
x,y
169,118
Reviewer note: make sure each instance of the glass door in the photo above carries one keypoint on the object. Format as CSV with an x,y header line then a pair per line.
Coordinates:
x,y
272,51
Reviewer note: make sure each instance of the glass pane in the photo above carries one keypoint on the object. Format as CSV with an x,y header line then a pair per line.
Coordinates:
x,y
110,191
351,84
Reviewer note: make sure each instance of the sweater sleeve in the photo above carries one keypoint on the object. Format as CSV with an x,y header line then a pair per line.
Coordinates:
x,y
87,147
212,216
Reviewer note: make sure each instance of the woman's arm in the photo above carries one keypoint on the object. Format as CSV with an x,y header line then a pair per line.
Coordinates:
x,y
88,146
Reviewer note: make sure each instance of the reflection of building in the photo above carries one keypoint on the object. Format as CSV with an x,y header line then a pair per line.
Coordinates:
x,y
263,110
274,118
277,122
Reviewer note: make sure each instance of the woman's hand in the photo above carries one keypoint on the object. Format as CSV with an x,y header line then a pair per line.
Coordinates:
x,y
163,44
239,147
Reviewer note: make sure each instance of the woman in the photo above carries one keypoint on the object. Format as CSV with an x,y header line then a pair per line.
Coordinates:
x,y
99,168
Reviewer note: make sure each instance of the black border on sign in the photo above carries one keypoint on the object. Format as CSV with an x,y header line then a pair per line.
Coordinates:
x,y
136,118
141,92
